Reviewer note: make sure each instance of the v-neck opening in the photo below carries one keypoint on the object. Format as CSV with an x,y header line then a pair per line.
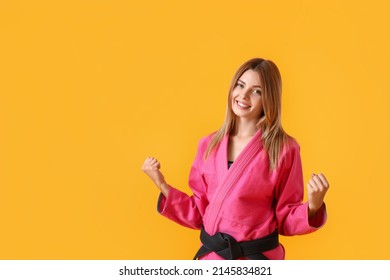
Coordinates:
x,y
255,136
223,166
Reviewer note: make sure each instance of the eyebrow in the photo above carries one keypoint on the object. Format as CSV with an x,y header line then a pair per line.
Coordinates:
x,y
239,80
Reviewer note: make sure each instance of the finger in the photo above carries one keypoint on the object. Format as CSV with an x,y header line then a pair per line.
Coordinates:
x,y
152,160
323,179
313,181
313,185
147,161
311,189
318,182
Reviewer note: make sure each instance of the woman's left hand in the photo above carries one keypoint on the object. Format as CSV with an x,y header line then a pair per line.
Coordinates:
x,y
317,188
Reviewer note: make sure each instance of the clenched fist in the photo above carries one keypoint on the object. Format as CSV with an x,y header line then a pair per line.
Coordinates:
x,y
152,167
316,190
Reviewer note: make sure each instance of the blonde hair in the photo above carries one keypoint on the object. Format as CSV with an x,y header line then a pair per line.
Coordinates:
x,y
273,136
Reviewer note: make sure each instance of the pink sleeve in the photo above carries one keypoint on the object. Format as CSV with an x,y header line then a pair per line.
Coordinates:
x,y
181,208
291,212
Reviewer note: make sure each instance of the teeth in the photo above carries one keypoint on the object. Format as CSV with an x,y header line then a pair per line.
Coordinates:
x,y
242,105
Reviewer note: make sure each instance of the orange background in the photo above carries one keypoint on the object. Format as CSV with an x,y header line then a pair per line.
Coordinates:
x,y
88,89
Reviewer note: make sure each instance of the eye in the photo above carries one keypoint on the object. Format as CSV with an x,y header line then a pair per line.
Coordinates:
x,y
256,91
239,85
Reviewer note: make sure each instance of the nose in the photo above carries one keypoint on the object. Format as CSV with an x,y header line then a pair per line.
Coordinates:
x,y
245,93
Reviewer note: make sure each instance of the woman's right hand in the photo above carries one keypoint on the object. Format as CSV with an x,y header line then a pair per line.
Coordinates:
x,y
152,167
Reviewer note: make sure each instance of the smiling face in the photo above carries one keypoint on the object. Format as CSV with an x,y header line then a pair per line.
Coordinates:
x,y
246,96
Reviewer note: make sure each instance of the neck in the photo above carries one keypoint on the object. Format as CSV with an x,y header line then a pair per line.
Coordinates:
x,y
245,128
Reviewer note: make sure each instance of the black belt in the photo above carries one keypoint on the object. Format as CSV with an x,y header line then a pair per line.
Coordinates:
x,y
228,248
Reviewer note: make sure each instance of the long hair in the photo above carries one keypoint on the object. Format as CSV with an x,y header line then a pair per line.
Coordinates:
x,y
273,136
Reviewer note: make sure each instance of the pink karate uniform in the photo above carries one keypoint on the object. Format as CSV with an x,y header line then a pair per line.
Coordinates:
x,y
247,201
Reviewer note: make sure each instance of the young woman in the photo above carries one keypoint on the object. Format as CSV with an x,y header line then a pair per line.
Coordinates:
x,y
246,179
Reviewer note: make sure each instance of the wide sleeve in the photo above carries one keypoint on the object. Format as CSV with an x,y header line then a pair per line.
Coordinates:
x,y
291,212
181,208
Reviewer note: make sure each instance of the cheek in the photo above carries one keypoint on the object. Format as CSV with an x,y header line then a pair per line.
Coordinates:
x,y
259,106
256,101
233,98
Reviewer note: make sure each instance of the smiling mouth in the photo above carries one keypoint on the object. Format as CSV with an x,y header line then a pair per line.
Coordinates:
x,y
242,105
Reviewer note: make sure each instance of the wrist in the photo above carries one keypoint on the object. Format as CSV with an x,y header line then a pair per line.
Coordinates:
x,y
312,210
164,188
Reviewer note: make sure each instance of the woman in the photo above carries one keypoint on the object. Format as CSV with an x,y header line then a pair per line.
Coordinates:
x,y
246,179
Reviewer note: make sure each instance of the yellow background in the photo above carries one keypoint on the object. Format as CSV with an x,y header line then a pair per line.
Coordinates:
x,y
88,89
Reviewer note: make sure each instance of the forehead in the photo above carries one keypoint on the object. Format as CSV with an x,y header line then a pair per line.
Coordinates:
x,y
251,77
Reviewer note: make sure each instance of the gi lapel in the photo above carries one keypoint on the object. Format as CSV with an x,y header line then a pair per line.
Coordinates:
x,y
229,177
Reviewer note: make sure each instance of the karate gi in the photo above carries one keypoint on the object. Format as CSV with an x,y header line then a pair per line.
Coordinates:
x,y
247,201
